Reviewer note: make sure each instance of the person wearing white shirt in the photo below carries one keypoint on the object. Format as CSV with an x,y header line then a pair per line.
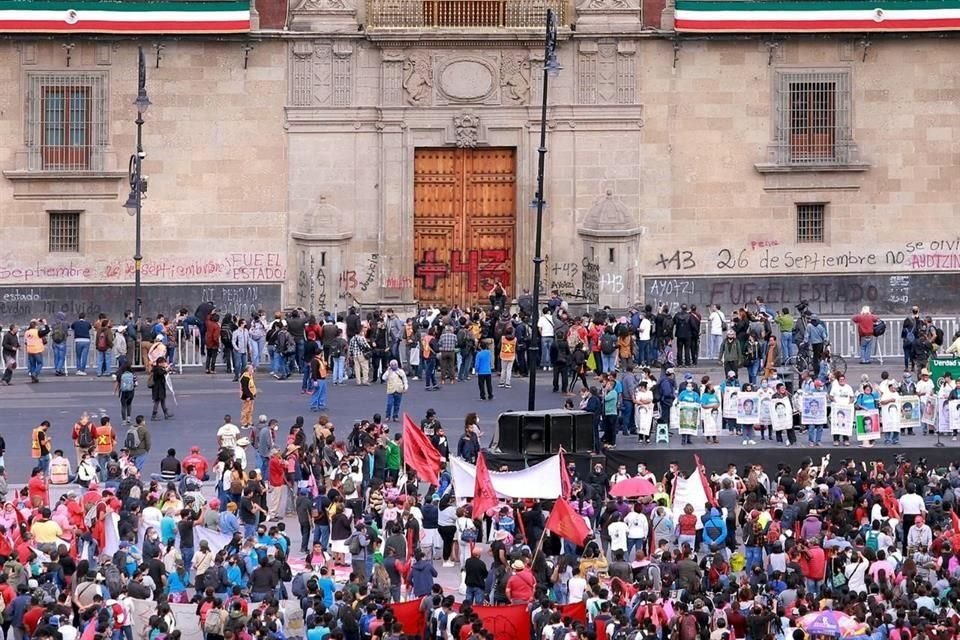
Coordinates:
x,y
619,476
617,530
644,346
889,411
841,395
576,587
227,434
545,327
855,571
717,320
911,508
642,471
637,530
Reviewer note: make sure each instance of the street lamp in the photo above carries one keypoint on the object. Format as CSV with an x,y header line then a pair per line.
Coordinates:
x,y
138,182
551,67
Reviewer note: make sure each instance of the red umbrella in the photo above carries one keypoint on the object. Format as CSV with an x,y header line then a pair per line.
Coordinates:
x,y
632,487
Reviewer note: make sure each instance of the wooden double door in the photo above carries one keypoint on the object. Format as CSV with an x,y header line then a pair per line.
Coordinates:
x,y
464,221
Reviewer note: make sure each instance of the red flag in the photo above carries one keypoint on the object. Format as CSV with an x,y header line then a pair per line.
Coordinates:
x,y
576,611
565,484
707,489
419,453
408,614
484,495
505,622
565,522
955,521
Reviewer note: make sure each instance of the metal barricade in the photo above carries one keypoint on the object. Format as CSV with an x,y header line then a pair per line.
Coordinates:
x,y
842,334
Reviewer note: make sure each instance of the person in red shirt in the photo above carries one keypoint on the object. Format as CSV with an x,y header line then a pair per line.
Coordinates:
x,y
864,321
521,585
31,619
7,592
198,462
813,565
37,488
687,527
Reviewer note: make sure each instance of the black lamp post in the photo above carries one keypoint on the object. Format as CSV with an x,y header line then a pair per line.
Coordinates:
x,y
138,182
550,67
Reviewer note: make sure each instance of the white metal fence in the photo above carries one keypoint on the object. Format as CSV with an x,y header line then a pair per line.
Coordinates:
x,y
841,331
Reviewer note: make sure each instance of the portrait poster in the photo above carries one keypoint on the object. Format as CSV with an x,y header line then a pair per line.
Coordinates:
x,y
748,408
909,409
712,422
689,418
841,421
813,409
868,425
943,415
928,410
644,419
765,402
781,414
955,415
730,402
890,418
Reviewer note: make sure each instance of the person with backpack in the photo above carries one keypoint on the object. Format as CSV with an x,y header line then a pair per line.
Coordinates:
x,y
137,442
84,436
58,336
103,342
608,350
125,387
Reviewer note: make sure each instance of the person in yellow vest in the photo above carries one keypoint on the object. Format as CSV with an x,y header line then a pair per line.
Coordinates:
x,y
248,394
40,444
60,469
35,337
106,442
508,354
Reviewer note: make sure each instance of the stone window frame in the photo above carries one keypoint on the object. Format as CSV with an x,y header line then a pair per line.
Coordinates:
x,y
90,155
809,229
64,231
780,151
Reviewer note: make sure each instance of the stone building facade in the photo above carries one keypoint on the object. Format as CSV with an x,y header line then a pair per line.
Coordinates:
x,y
386,154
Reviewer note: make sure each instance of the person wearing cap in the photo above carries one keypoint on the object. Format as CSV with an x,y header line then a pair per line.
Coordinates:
x,y
521,585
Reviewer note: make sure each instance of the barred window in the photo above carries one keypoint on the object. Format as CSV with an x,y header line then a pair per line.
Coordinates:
x,y
813,117
810,223
66,121
64,232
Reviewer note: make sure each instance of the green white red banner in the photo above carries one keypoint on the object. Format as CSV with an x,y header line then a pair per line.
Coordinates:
x,y
39,16
844,16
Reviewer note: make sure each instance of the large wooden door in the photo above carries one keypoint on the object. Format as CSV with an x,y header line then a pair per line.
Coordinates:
x,y
464,217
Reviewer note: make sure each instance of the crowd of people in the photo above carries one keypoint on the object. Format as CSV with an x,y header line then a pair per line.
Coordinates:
x,y
334,521
878,544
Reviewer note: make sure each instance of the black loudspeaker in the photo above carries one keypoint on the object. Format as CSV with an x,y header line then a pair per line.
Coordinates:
x,y
561,432
509,426
534,434
582,432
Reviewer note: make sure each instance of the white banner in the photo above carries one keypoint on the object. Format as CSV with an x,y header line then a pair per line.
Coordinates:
x,y
215,539
541,481
689,491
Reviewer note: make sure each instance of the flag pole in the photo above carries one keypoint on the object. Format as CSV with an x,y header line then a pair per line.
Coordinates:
x,y
539,546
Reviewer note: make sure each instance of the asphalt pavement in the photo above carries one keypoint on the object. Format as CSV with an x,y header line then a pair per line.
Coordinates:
x,y
202,400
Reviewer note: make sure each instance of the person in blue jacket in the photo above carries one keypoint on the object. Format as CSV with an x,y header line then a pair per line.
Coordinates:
x,y
714,531
688,393
668,393
483,365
